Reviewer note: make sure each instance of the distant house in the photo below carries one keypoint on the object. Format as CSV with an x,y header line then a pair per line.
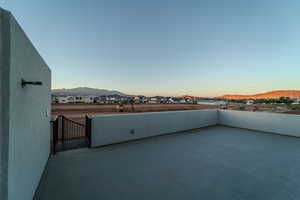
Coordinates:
x,y
123,98
182,101
251,108
267,107
158,99
96,99
137,99
70,99
62,99
174,100
140,99
144,99
281,108
250,102
170,100
115,99
211,102
101,99
112,99
189,100
153,100
88,99
108,99
79,99
54,99
163,100
296,102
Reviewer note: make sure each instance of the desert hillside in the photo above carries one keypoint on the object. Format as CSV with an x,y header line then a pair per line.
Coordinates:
x,y
85,91
268,95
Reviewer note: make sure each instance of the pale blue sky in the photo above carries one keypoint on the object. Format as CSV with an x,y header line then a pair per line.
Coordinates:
x,y
157,47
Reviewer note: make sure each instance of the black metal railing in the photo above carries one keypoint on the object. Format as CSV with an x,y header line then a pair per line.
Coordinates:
x,y
54,138
88,130
67,133
72,130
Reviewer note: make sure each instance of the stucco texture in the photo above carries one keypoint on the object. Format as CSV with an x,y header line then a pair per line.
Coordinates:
x,y
284,124
28,113
109,129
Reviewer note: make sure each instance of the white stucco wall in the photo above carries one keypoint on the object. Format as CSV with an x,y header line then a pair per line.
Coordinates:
x,y
2,177
28,114
285,124
4,102
109,129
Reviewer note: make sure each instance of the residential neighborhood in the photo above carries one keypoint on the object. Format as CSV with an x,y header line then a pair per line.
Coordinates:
x,y
283,104
116,99
106,99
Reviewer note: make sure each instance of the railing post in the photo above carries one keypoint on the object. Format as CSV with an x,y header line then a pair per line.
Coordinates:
x,y
62,130
88,130
54,135
52,123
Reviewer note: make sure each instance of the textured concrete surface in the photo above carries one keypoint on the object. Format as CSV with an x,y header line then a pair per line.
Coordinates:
x,y
209,163
72,144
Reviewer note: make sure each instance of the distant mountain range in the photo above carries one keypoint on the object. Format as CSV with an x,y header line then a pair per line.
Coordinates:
x,y
268,95
85,91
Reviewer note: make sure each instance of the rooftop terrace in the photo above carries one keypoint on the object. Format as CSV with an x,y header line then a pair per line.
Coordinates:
x,y
211,162
215,162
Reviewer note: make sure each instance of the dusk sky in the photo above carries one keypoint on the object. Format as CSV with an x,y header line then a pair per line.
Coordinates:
x,y
160,47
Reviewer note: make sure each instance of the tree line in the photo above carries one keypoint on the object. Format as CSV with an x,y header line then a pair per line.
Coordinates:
x,y
284,100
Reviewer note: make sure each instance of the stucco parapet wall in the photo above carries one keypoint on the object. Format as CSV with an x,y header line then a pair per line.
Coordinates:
x,y
284,124
108,129
115,128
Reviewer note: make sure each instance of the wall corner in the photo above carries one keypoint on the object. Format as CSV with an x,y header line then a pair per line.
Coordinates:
x,y
4,100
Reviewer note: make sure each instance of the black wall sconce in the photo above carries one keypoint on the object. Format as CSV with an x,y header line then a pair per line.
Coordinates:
x,y
24,83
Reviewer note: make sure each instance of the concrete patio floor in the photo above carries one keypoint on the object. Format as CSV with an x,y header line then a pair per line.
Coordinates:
x,y
209,163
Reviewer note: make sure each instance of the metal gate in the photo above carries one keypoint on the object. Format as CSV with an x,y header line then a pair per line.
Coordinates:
x,y
69,134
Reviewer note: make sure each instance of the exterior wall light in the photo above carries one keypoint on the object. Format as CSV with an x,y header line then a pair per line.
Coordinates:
x,y
24,83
